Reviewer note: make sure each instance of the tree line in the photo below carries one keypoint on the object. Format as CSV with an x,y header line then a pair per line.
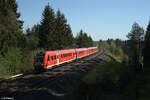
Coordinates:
x,y
136,47
18,47
135,54
55,33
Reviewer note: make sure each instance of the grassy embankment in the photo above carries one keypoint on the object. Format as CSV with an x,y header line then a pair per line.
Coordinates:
x,y
111,79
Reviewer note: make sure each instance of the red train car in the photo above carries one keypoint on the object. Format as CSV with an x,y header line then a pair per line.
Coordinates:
x,y
46,60
66,55
49,59
92,50
82,52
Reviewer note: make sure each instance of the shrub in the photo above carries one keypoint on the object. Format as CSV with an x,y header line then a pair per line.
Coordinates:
x,y
13,59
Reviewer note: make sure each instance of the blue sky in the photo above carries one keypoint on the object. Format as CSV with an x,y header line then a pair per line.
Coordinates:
x,y
102,19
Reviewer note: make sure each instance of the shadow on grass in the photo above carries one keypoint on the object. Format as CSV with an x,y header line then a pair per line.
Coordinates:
x,y
111,80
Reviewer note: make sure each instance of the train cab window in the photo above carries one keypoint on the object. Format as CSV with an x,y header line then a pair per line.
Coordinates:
x,y
61,56
39,58
48,58
52,57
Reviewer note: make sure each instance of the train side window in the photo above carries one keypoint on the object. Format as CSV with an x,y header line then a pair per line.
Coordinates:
x,y
48,58
52,57
61,56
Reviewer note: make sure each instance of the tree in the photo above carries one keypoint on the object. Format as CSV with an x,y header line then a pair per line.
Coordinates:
x,y
10,26
69,37
146,50
61,29
11,37
90,41
118,42
32,37
54,31
79,39
14,58
135,44
47,29
83,40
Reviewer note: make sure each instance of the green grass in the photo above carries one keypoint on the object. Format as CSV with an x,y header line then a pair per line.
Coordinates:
x,y
109,80
110,69
4,73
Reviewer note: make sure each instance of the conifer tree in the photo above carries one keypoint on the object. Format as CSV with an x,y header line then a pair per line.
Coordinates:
x,y
11,37
47,29
90,41
10,26
69,37
61,24
79,39
32,39
135,45
146,50
83,40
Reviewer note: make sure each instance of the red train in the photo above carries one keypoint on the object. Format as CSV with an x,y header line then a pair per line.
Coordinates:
x,y
49,59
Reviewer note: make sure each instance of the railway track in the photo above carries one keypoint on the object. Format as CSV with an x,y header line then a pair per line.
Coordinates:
x,y
50,84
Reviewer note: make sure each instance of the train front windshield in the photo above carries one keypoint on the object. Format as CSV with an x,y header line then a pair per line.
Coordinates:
x,y
39,58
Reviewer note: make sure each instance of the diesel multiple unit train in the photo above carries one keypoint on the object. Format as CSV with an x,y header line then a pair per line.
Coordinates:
x,y
49,59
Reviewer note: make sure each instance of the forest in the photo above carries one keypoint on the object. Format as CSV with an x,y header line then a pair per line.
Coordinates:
x,y
125,71
18,47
